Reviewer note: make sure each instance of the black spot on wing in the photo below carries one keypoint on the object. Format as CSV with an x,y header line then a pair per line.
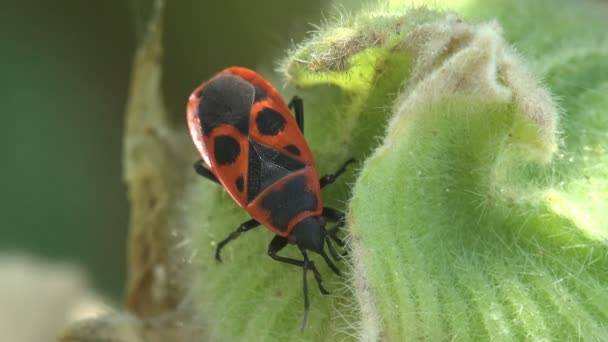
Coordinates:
x,y
270,122
226,149
266,166
240,185
288,201
293,149
259,94
226,99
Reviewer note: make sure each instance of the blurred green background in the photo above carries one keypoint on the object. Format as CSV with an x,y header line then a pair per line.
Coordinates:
x,y
64,74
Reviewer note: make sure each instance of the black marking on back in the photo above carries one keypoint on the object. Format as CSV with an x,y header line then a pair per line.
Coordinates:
x,y
259,94
266,166
226,99
270,122
293,149
254,174
288,201
240,185
226,149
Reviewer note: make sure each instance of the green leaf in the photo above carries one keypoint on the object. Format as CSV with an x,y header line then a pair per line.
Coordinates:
x,y
477,212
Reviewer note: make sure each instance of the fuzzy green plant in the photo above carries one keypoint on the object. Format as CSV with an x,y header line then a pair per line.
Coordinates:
x,y
478,209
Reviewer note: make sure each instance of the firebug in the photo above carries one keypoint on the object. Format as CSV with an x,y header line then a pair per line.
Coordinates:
x,y
252,145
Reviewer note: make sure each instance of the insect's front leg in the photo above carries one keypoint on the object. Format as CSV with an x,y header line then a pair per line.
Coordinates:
x,y
337,216
277,244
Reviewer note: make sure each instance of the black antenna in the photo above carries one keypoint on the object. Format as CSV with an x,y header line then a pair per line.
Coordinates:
x,y
306,302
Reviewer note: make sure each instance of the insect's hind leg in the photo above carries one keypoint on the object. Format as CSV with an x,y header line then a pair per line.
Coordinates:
x,y
328,179
199,167
297,105
245,226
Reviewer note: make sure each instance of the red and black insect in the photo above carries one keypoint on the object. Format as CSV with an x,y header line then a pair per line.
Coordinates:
x,y
252,145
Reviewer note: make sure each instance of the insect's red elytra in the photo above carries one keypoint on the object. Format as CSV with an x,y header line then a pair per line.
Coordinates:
x,y
252,145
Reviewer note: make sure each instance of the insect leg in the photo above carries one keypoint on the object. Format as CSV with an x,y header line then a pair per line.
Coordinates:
x,y
328,179
332,250
245,226
297,105
277,244
333,215
199,167
337,216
